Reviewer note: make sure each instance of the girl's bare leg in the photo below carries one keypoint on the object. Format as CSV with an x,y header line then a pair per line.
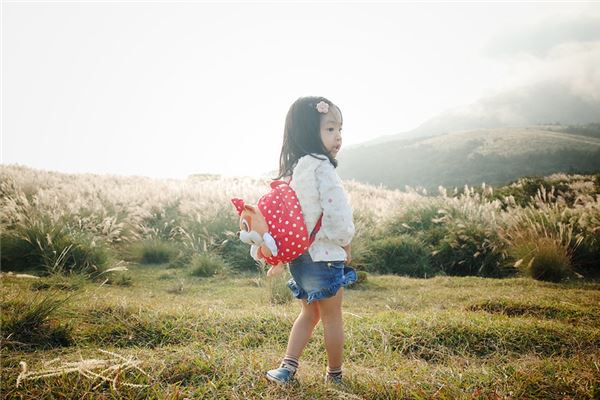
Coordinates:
x,y
333,327
303,328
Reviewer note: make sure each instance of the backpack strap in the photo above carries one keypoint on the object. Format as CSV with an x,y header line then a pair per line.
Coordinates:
x,y
315,230
313,234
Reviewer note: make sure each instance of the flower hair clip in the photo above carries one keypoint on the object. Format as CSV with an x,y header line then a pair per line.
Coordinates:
x,y
322,107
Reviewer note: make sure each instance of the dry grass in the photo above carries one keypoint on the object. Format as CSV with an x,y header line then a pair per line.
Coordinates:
x,y
110,370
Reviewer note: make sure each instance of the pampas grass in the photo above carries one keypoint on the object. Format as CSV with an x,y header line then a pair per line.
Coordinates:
x,y
471,231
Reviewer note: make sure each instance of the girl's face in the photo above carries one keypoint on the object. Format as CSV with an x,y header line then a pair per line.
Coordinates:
x,y
331,130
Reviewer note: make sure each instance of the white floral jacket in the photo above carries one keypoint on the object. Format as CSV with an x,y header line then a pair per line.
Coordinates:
x,y
319,190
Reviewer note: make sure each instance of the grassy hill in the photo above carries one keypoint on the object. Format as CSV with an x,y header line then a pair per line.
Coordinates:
x,y
494,156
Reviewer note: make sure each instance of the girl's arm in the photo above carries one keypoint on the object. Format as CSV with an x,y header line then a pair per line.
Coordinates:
x,y
348,250
337,224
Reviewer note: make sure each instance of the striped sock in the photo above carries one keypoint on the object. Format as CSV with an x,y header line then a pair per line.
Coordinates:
x,y
334,373
290,361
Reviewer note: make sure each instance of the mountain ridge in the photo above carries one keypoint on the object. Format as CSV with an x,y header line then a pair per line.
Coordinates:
x,y
543,103
494,156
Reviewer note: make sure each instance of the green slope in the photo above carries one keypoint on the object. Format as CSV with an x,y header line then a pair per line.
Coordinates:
x,y
493,156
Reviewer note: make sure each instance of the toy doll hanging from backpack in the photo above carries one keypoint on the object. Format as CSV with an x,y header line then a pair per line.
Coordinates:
x,y
275,228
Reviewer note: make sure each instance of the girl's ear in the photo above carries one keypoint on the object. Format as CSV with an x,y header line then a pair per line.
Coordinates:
x,y
250,208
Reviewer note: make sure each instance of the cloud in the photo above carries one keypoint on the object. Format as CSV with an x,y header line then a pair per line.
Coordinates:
x,y
572,99
577,64
554,52
539,39
543,102
574,65
556,79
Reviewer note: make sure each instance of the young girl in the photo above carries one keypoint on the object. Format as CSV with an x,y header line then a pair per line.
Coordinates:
x,y
312,139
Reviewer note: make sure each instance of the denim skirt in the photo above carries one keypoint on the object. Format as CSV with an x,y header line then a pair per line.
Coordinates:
x,y
316,280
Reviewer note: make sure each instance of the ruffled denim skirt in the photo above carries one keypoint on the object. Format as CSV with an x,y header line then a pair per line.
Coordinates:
x,y
316,280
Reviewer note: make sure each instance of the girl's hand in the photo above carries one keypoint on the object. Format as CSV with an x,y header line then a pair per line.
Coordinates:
x,y
275,270
348,250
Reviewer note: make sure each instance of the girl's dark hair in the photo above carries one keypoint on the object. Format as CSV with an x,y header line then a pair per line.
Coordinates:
x,y
302,134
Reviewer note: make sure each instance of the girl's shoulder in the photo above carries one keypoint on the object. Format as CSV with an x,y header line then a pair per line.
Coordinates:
x,y
310,162
315,170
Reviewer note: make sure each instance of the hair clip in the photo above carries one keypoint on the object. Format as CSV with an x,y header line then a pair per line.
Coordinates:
x,y
322,107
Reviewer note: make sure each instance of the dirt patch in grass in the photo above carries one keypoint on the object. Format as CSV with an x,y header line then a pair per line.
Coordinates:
x,y
515,309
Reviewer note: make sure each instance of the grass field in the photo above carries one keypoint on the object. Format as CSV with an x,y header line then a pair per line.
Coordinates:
x,y
193,317
162,333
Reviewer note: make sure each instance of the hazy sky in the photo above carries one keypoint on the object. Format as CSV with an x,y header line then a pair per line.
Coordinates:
x,y
169,89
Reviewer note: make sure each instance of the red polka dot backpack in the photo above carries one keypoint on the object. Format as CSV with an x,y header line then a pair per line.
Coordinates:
x,y
275,228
